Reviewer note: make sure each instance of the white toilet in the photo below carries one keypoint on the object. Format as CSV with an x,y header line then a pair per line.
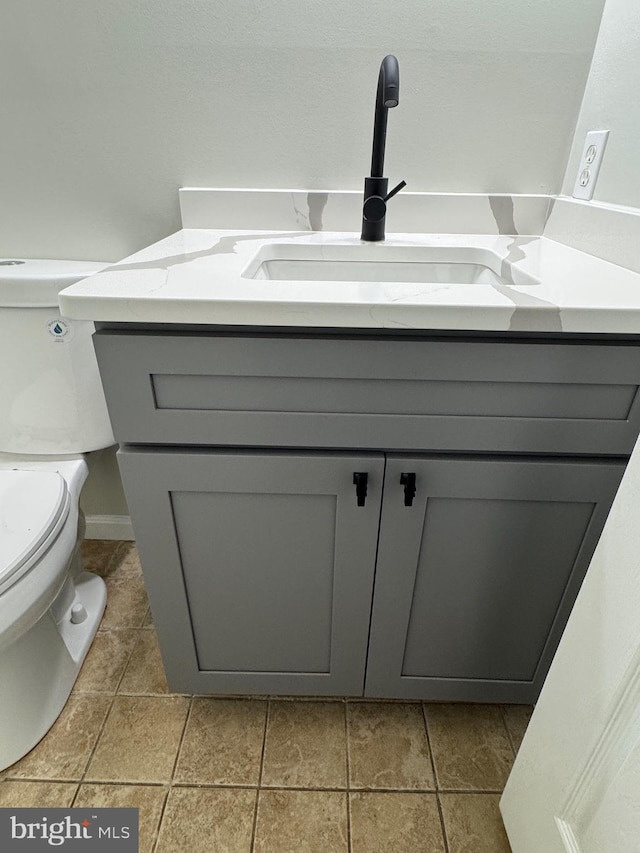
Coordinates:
x,y
52,409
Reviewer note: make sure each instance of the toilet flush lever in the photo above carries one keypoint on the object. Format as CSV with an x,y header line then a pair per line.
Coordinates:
x,y
409,483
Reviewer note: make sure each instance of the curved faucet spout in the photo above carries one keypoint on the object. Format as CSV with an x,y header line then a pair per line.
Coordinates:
x,y
376,195
387,96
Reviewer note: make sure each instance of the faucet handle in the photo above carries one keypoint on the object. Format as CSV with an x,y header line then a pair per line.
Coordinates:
x,y
374,209
395,190
375,206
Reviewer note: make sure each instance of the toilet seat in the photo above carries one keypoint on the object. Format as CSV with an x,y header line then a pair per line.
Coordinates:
x,y
34,505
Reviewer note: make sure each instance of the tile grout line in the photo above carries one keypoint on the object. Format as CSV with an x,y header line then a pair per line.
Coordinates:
x,y
348,734
126,666
110,563
169,786
510,739
154,844
143,695
83,775
348,779
443,830
254,828
470,790
431,755
182,737
125,783
445,837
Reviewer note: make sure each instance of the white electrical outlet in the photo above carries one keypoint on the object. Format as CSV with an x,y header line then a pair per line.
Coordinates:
x,y
590,162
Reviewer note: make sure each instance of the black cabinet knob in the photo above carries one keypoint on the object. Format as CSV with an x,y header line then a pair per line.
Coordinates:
x,y
409,483
360,480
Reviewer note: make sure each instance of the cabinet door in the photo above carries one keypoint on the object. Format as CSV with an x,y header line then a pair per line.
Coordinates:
x,y
476,579
259,566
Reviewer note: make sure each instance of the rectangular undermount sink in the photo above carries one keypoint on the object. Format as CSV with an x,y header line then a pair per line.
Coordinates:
x,y
375,262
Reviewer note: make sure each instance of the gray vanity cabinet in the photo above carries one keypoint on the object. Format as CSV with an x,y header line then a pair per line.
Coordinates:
x,y
259,566
261,569
476,578
238,455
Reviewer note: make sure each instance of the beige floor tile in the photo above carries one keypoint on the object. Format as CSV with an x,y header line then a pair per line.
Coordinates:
x,y
17,794
106,661
395,823
140,740
145,671
148,799
388,747
127,602
306,745
65,749
473,823
223,742
97,554
471,749
208,820
127,561
222,745
517,719
296,821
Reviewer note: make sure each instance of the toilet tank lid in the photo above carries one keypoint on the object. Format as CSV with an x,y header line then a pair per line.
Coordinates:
x,y
32,283
33,506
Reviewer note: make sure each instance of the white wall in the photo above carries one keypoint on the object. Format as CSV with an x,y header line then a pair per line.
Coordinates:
x,y
612,101
108,107
609,225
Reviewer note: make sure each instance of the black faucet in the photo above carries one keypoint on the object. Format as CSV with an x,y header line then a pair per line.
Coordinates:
x,y
376,196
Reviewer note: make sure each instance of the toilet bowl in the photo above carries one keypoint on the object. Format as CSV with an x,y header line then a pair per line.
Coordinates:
x,y
53,410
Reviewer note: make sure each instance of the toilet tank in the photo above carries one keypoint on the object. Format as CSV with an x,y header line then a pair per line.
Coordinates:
x,y
51,397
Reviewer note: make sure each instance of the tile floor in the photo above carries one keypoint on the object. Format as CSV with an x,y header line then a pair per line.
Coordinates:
x,y
262,775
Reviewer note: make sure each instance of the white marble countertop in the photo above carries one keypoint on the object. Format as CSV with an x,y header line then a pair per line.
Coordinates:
x,y
195,276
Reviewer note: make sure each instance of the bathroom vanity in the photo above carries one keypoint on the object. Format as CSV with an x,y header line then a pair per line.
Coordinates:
x,y
379,515
330,498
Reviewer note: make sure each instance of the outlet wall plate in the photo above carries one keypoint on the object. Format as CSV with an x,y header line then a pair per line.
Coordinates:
x,y
590,163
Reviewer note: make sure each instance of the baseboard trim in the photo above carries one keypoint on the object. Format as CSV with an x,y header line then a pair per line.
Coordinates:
x,y
109,527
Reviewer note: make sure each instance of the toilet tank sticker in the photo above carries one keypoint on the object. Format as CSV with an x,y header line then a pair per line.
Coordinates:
x,y
61,330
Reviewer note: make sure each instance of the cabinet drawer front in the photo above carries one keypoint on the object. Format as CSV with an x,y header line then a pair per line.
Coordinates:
x,y
396,394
